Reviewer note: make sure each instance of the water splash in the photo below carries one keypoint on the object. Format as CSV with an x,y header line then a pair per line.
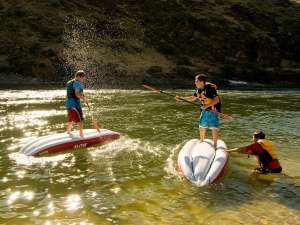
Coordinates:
x,y
171,162
101,49
127,144
22,159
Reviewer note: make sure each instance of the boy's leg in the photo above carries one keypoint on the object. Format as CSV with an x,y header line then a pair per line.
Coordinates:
x,y
69,127
214,126
202,132
69,121
215,133
80,127
203,124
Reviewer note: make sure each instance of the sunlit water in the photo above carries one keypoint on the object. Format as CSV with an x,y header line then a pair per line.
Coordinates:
x,y
133,180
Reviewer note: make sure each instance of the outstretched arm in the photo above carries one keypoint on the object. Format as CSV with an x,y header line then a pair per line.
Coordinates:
x,y
241,149
187,98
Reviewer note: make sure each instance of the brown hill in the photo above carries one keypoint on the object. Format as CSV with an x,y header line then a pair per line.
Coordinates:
x,y
123,43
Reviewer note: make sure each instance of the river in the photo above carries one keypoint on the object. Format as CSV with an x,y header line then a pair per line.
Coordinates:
x,y
133,180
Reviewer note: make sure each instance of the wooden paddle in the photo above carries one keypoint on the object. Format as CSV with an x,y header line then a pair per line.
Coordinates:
x,y
193,103
94,121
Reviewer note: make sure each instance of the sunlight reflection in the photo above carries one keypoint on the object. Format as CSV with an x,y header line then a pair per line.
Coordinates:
x,y
36,212
73,202
28,195
20,173
51,209
115,190
13,197
48,222
31,94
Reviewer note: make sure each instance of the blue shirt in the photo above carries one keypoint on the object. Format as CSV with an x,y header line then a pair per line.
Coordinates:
x,y
75,102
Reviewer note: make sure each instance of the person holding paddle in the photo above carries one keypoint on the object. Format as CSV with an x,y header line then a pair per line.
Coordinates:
x,y
211,106
74,95
264,151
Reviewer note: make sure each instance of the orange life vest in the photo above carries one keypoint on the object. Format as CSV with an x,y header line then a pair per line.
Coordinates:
x,y
268,146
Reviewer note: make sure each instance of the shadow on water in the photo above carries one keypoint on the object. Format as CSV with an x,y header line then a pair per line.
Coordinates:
x,y
249,186
283,188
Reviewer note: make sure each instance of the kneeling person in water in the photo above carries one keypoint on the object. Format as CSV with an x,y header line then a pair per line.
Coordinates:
x,y
264,151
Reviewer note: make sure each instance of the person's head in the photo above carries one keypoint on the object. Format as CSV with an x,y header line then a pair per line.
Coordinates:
x,y
80,75
257,135
200,80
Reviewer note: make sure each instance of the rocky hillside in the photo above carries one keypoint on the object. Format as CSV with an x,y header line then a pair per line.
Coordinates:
x,y
166,42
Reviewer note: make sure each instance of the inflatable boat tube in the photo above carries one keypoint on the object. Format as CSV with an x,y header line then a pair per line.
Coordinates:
x,y
200,163
60,142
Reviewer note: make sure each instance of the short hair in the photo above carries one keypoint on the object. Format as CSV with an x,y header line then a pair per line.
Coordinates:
x,y
259,134
201,77
80,73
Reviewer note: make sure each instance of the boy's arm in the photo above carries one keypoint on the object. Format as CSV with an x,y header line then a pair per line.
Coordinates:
x,y
215,101
79,94
188,98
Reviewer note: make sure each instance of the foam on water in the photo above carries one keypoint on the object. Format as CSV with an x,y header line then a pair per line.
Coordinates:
x,y
22,159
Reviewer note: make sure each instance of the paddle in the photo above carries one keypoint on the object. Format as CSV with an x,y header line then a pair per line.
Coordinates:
x,y
94,121
160,91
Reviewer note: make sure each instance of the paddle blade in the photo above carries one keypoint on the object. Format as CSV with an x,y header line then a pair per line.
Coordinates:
x,y
151,88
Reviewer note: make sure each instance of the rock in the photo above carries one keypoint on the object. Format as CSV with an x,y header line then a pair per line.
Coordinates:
x,y
186,72
281,2
154,70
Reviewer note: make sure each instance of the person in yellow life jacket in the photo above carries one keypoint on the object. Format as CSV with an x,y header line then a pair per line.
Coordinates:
x,y
207,94
265,153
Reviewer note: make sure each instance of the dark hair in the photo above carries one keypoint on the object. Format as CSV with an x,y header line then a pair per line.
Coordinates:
x,y
80,73
201,77
259,134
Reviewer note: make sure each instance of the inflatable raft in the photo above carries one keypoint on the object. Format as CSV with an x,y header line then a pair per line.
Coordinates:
x,y
60,142
200,163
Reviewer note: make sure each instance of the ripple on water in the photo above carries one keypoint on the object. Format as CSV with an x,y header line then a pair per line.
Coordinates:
x,y
133,180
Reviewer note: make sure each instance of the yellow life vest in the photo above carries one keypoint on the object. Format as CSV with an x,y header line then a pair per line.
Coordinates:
x,y
201,96
268,146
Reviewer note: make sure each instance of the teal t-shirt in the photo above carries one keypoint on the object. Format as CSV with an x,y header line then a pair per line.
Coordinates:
x,y
75,102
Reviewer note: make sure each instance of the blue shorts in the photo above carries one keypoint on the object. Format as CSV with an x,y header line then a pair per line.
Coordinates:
x,y
208,120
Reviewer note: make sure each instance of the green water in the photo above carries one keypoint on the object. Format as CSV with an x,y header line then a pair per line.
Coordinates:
x,y
133,180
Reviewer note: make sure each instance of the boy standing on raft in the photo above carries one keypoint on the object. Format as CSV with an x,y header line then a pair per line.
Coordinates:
x,y
74,95
264,151
207,94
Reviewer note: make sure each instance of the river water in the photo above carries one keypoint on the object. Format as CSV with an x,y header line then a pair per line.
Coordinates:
x,y
133,180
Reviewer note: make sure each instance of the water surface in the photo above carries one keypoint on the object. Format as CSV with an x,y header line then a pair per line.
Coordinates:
x,y
133,180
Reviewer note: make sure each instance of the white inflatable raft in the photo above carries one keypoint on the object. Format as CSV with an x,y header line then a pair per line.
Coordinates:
x,y
200,163
59,142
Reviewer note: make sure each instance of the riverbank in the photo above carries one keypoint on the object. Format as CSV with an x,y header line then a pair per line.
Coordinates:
x,y
240,87
129,42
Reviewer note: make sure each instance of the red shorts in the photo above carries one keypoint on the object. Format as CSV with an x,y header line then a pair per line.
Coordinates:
x,y
75,115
